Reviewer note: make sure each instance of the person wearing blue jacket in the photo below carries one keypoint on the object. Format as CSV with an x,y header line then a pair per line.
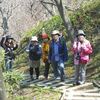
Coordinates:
x,y
35,53
58,54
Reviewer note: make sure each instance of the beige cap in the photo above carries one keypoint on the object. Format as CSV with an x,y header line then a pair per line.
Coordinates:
x,y
81,32
55,32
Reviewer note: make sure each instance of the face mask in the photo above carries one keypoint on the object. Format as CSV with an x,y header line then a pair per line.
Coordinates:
x,y
45,40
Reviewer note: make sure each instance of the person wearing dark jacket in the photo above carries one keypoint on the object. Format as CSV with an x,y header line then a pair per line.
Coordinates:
x,y
9,45
58,54
35,53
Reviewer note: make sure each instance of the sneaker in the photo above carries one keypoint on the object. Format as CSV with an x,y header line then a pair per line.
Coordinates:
x,y
81,82
57,78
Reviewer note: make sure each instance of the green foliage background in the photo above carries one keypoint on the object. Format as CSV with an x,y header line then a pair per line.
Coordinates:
x,y
86,18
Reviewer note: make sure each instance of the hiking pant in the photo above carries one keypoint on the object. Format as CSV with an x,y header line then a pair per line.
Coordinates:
x,y
8,64
34,65
46,71
58,68
80,73
36,71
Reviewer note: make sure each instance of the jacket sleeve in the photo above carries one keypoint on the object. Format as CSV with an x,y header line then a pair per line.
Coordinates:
x,y
74,46
28,47
50,52
39,51
87,49
2,42
65,52
33,48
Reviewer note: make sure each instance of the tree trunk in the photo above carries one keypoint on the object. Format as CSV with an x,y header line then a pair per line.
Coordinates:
x,y
5,25
2,89
65,18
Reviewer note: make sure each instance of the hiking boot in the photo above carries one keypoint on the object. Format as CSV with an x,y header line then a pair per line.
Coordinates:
x,y
76,83
63,78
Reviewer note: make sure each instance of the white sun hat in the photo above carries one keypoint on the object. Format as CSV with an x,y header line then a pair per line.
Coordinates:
x,y
34,38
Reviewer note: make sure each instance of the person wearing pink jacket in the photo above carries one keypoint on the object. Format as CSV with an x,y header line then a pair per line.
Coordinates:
x,y
81,50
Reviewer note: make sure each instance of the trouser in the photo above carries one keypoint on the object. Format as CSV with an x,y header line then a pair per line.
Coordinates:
x,y
8,64
80,73
36,71
58,68
34,65
46,71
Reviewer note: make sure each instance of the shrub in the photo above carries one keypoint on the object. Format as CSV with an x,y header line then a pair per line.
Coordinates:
x,y
12,81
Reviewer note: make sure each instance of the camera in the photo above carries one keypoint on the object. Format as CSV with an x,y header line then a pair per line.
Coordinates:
x,y
78,56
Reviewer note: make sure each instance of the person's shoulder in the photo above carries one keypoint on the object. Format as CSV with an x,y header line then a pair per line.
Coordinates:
x,y
87,41
50,42
62,40
30,45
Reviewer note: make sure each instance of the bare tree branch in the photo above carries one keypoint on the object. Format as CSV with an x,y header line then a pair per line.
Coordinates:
x,y
50,3
6,12
47,8
10,10
37,10
1,1
73,5
1,11
31,7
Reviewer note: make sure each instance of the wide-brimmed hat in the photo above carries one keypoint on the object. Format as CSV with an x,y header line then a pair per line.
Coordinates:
x,y
55,32
34,38
81,32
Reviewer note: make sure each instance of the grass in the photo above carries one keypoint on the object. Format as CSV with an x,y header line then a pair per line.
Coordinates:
x,y
36,93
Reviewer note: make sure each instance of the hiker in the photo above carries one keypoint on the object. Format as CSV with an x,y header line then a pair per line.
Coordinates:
x,y
62,37
45,52
57,55
9,45
81,50
34,56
